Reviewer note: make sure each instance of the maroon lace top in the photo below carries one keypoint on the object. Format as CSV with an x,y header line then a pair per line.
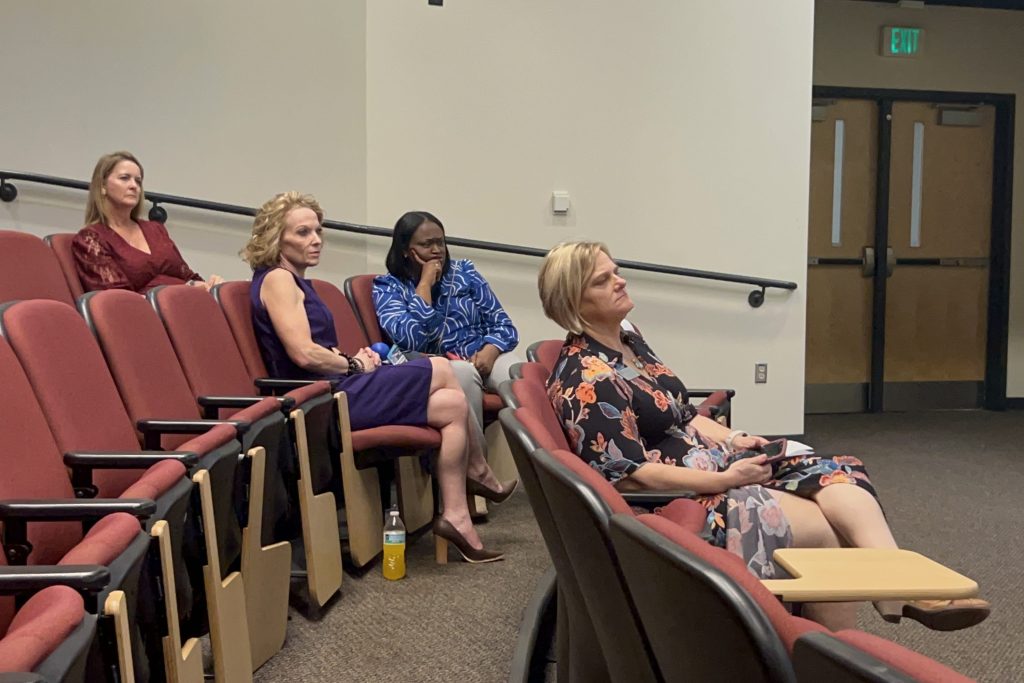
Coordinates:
x,y
106,261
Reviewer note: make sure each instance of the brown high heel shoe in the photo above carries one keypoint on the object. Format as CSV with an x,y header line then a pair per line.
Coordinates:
x,y
475,488
944,615
445,533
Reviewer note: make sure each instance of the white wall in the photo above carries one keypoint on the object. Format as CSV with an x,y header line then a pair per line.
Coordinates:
x,y
964,50
679,128
231,101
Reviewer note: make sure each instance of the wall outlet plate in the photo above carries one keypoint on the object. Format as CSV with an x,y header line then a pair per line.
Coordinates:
x,y
760,373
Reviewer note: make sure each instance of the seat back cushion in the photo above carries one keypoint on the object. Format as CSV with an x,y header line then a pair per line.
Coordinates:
x,y
202,341
350,333
236,305
360,292
70,379
60,243
29,270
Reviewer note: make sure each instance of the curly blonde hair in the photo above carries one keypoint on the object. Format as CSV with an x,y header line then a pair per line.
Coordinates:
x,y
96,209
264,246
563,277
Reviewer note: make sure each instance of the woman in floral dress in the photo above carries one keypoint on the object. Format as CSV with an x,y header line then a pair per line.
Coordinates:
x,y
628,415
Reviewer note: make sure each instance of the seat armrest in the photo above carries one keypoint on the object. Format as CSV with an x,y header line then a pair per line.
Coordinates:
x,y
70,509
704,393
653,499
152,430
212,404
17,514
26,677
84,578
268,386
127,459
83,463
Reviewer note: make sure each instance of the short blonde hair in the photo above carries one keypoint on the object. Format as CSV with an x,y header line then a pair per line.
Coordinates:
x,y
96,209
563,277
263,249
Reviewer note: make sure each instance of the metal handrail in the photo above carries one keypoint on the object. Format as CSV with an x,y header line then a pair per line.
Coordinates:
x,y
9,192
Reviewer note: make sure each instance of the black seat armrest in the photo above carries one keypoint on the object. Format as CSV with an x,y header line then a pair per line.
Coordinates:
x,y
83,463
269,386
152,430
653,499
127,459
16,515
704,393
212,404
72,509
26,677
84,578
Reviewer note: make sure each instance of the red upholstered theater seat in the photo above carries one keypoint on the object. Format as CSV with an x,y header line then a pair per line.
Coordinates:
x,y
347,323
359,291
29,270
70,379
78,404
855,657
576,658
546,353
39,627
152,384
60,243
671,572
581,517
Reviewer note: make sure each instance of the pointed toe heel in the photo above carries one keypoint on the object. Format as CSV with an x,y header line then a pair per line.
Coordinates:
x,y
475,488
445,533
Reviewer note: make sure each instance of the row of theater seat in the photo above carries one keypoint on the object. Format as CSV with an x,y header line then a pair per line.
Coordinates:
x,y
646,598
240,488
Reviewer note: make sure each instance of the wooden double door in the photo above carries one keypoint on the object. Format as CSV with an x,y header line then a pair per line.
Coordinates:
x,y
900,234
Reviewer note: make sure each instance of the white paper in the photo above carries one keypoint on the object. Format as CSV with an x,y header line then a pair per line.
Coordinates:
x,y
797,448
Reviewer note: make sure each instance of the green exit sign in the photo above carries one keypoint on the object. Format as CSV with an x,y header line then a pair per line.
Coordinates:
x,y
901,41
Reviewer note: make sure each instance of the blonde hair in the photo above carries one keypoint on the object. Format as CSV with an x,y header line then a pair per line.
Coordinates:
x,y
96,209
563,277
264,246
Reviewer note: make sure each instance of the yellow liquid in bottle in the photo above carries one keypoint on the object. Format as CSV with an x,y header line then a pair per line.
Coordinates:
x,y
394,561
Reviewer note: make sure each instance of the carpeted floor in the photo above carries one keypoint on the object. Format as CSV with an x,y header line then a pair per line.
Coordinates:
x,y
947,481
441,623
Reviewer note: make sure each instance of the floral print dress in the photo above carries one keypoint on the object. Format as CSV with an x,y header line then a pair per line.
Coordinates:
x,y
619,417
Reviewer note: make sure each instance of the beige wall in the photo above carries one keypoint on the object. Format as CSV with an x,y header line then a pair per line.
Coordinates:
x,y
231,101
679,128
652,115
964,50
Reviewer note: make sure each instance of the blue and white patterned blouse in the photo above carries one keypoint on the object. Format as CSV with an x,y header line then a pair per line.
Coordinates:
x,y
465,315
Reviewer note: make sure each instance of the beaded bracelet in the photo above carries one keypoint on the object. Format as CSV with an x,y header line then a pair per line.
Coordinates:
x,y
355,366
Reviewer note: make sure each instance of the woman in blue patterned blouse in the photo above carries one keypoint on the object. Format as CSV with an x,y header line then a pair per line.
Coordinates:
x,y
431,304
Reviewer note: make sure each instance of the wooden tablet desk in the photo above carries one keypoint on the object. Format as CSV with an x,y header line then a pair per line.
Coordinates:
x,y
856,574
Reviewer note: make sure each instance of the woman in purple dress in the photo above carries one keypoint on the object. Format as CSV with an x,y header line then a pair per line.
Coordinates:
x,y
297,338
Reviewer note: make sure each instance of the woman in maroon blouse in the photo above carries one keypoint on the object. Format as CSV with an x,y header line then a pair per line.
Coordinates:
x,y
116,250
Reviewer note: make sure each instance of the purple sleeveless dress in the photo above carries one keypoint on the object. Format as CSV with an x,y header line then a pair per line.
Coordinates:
x,y
390,395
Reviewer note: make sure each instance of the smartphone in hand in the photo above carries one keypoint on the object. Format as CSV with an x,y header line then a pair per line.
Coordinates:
x,y
775,450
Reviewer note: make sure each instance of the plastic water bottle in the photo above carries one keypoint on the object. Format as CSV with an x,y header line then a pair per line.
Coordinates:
x,y
394,546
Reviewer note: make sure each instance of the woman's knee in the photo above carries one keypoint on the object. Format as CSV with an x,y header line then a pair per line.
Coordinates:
x,y
447,406
809,525
442,374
